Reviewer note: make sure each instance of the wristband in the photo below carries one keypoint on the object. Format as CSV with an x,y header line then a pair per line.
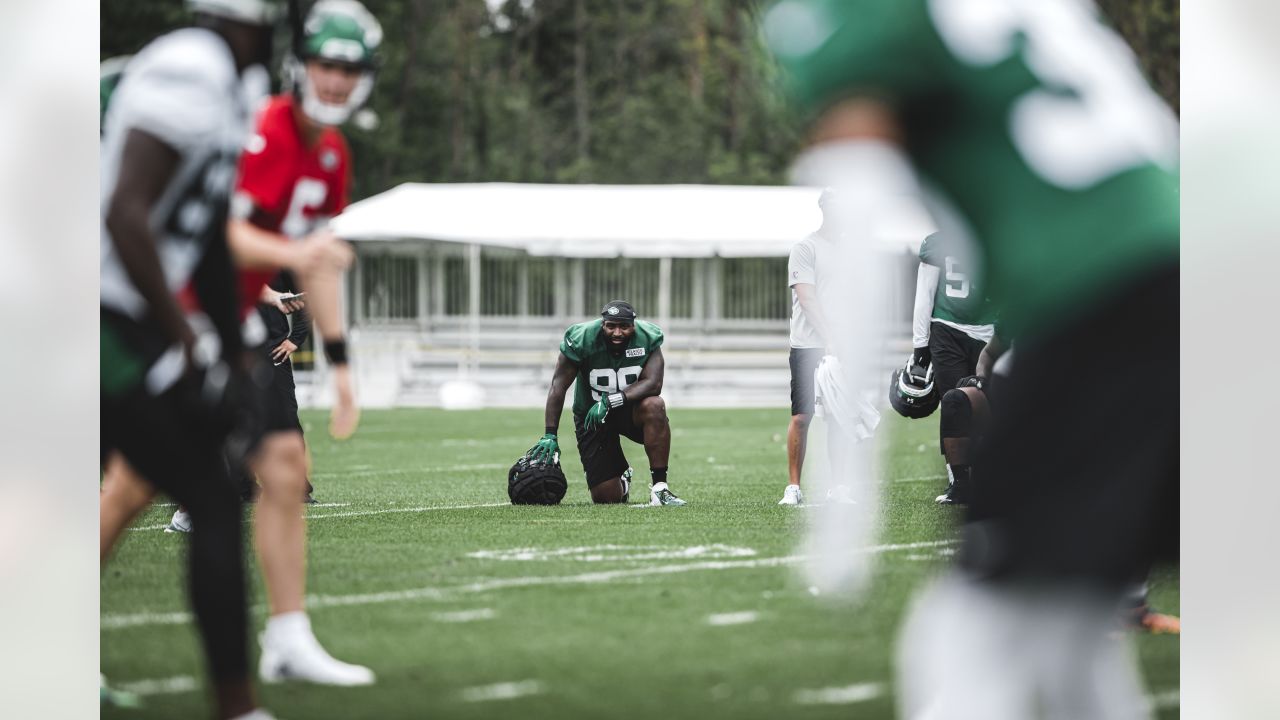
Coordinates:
x,y
615,400
335,351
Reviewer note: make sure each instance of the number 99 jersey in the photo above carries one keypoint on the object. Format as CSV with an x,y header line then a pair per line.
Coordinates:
x,y
600,371
286,186
1029,117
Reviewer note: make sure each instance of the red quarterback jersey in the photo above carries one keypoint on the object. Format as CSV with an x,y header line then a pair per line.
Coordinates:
x,y
293,187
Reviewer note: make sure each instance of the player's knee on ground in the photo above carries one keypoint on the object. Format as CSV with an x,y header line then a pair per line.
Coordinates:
x,y
608,492
652,409
957,414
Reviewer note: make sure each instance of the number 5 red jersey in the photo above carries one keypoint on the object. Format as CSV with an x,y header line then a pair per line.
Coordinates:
x,y
293,187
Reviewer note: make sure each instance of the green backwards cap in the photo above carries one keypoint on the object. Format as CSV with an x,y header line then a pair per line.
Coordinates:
x,y
341,31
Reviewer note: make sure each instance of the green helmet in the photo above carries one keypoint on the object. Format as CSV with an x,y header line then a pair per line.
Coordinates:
x,y
340,31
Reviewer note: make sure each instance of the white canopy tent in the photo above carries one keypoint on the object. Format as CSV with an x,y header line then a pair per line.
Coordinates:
x,y
706,225
594,221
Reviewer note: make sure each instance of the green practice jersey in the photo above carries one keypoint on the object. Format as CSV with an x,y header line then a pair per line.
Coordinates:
x,y
600,371
1029,117
961,295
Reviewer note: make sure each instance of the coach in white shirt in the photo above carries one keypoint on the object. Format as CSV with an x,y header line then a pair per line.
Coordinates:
x,y
808,340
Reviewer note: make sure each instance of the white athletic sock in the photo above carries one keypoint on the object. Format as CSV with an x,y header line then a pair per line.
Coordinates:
x,y
659,486
284,627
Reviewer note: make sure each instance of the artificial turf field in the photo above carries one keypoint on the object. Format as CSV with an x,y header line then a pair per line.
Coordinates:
x,y
611,611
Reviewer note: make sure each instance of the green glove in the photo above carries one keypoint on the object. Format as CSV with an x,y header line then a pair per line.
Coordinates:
x,y
545,450
600,411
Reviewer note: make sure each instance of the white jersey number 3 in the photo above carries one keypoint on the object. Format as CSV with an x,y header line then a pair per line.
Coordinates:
x,y
1095,117
606,380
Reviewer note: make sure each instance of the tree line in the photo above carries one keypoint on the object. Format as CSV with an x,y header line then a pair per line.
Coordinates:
x,y
577,91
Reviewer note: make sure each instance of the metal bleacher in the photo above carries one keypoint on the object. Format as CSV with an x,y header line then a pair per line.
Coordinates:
x,y
513,366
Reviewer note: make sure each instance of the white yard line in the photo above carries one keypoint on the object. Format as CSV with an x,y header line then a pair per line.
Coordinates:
x,y
408,471
427,508
463,616
118,621
161,686
733,618
612,553
360,513
500,691
860,692
921,478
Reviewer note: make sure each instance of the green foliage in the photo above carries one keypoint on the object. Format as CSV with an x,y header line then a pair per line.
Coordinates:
x,y
1151,29
575,91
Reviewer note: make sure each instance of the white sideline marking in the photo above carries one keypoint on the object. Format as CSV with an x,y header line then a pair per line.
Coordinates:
x,y
115,622
1165,699
733,618
462,616
408,471
500,691
319,505
360,513
599,553
860,692
921,478
161,686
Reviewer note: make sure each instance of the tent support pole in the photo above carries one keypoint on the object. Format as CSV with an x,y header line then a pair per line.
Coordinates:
x,y
424,287
473,341
664,293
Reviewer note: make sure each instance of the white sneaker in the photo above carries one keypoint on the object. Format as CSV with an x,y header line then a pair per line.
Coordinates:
x,y
792,496
841,495
181,522
293,653
256,714
660,494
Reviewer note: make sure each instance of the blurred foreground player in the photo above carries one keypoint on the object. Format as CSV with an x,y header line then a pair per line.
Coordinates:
x,y
1077,213
974,401
170,140
295,174
617,361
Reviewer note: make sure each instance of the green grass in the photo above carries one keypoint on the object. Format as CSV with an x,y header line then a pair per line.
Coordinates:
x,y
636,646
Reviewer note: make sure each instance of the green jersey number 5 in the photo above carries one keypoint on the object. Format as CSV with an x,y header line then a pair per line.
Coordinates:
x,y
607,380
1093,115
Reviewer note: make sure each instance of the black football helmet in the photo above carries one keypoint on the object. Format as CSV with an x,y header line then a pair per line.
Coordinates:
x,y
911,394
535,483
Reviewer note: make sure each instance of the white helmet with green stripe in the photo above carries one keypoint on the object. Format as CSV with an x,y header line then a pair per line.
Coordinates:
x,y
339,31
